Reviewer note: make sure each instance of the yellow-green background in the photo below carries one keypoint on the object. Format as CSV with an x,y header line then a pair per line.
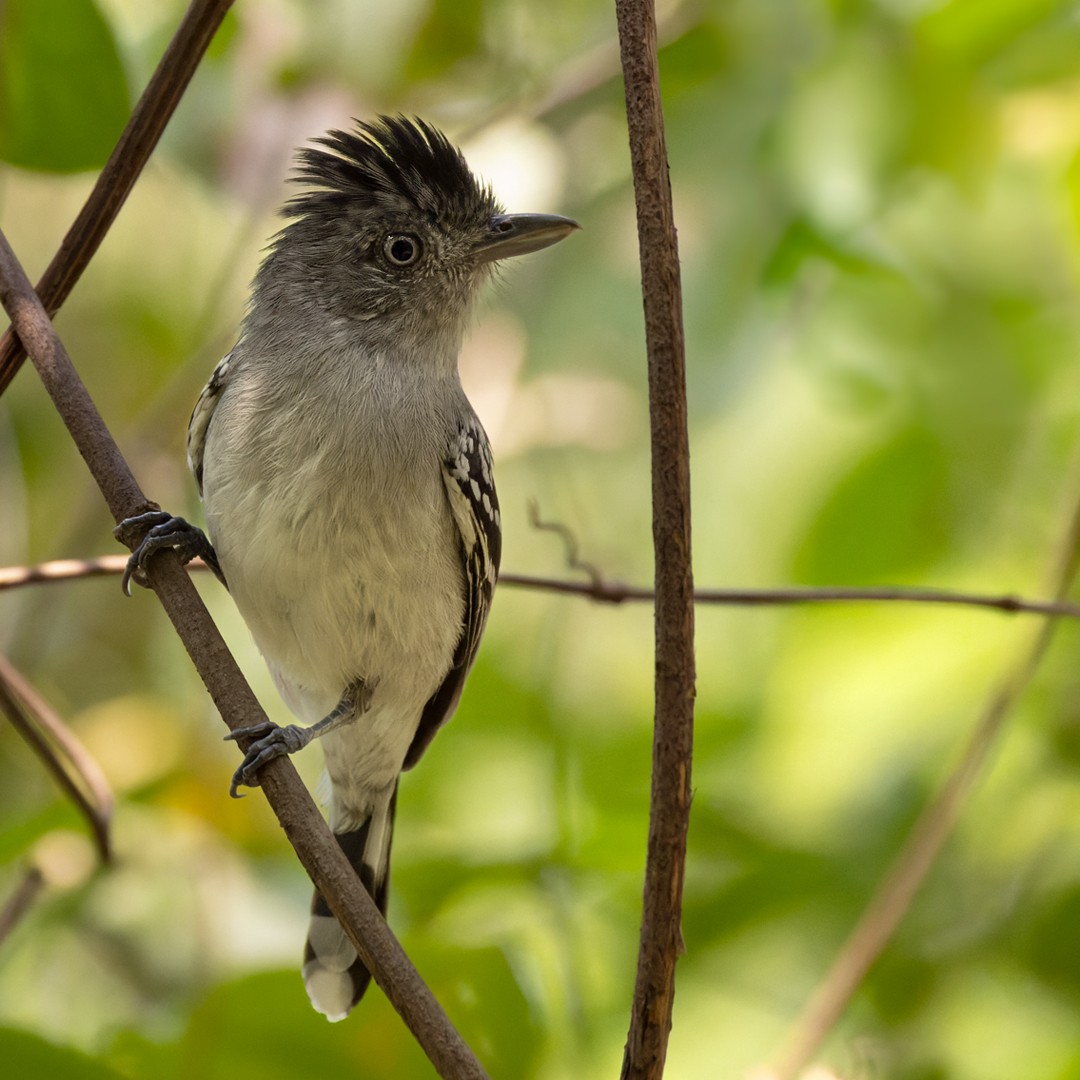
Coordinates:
x,y
875,203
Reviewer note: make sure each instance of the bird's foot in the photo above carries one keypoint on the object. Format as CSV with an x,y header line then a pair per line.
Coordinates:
x,y
160,530
272,742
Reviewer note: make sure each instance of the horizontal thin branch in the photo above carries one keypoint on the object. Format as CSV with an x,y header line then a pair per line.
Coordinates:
x,y
16,577
614,592
291,802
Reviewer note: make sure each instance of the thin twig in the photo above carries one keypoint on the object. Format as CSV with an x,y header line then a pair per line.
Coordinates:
x,y
55,570
571,547
132,151
606,591
20,901
71,764
673,730
614,592
582,74
303,824
923,845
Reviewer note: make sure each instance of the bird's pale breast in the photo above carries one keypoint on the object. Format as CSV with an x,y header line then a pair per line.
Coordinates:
x,y
343,565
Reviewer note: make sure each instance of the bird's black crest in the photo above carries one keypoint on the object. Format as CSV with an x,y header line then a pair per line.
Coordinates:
x,y
384,162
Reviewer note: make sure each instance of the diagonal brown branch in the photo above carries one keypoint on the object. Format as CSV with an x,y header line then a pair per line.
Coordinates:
x,y
72,765
923,845
20,901
673,732
132,151
301,821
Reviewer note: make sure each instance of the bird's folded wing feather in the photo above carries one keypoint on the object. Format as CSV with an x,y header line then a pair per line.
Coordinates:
x,y
201,416
470,489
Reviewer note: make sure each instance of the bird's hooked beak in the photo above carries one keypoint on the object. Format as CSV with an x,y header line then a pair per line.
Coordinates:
x,y
518,234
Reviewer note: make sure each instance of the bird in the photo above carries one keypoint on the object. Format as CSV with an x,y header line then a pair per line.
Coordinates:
x,y
348,484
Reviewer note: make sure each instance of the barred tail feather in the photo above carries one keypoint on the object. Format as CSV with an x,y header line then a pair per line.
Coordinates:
x,y
334,975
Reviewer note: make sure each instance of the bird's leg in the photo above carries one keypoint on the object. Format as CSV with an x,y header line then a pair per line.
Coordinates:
x,y
159,530
275,742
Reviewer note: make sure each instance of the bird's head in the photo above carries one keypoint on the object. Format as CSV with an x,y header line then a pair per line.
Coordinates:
x,y
393,235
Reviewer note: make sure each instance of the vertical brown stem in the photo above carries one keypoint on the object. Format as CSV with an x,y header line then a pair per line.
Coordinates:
x,y
669,817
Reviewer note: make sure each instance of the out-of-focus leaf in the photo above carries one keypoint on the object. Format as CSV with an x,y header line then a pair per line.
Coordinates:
x,y
1054,943
700,54
226,36
976,29
902,985
884,519
1065,731
1073,181
453,30
953,128
21,834
263,1026
1045,54
29,1056
802,242
63,92
478,988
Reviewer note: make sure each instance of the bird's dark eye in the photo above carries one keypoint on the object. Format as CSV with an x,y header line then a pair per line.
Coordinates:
x,y
401,249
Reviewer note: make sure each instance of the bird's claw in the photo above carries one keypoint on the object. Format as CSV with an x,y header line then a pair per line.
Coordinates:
x,y
159,530
270,742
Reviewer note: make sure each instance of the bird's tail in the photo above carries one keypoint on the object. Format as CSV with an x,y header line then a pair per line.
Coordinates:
x,y
334,975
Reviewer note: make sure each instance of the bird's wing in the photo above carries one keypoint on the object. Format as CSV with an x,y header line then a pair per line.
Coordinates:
x,y
470,489
201,416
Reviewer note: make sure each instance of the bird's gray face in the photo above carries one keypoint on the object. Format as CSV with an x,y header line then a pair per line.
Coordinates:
x,y
398,239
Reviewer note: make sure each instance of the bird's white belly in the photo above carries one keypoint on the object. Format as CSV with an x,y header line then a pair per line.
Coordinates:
x,y
339,578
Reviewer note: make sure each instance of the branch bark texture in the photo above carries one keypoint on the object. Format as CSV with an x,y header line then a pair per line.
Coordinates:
x,y
673,737
132,151
303,824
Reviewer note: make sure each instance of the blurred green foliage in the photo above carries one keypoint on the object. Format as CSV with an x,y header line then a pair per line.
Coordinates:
x,y
63,91
877,209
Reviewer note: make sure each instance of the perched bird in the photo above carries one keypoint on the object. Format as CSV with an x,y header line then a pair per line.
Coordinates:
x,y
347,482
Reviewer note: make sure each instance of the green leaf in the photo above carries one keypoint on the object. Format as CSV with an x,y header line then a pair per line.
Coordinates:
x,y
1053,942
979,29
29,1055
687,62
886,518
262,1026
452,31
63,93
802,242
19,833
